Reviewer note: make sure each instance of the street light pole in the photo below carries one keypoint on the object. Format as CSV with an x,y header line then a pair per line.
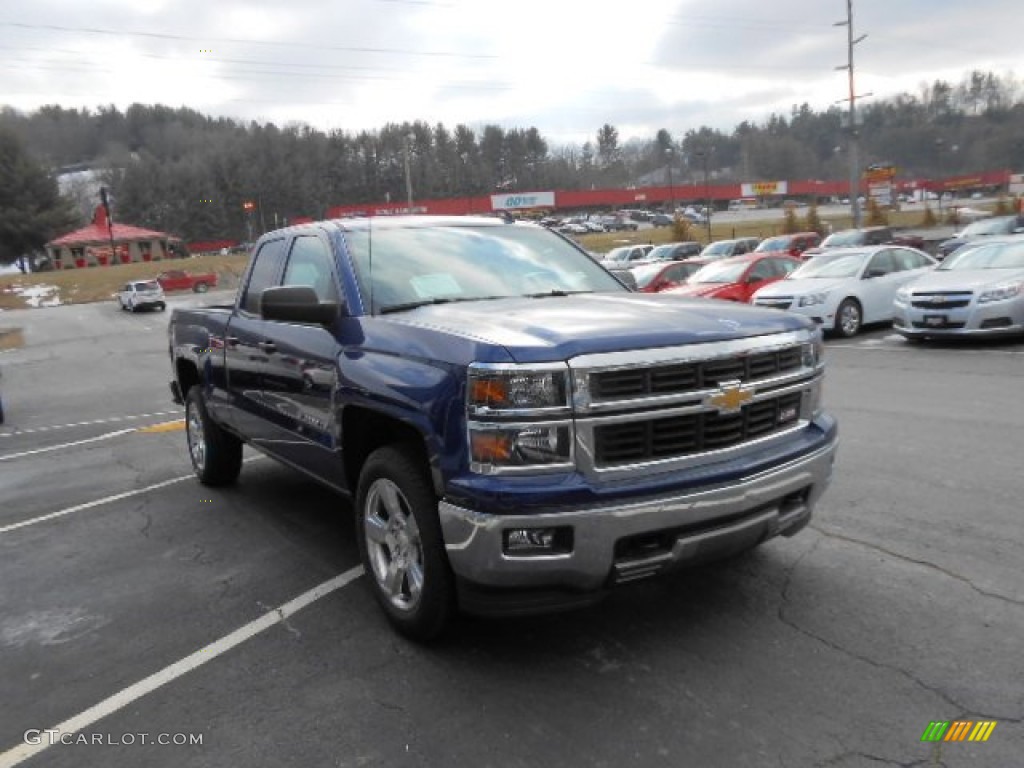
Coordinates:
x,y
408,173
671,186
705,155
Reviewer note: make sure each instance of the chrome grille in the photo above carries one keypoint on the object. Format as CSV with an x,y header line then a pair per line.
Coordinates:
x,y
941,300
683,377
677,436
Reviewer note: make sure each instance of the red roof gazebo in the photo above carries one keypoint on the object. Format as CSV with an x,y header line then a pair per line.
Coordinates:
x,y
99,244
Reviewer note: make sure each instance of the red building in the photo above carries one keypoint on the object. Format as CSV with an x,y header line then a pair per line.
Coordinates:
x,y
100,245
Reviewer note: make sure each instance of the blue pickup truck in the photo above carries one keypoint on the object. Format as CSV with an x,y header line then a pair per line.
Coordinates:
x,y
516,430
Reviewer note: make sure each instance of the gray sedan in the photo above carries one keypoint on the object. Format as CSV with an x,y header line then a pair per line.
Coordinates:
x,y
976,292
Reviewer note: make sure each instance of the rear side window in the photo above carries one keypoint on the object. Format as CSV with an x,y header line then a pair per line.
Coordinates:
x,y
265,268
310,264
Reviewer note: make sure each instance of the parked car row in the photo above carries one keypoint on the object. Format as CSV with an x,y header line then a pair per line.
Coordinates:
x,y
977,290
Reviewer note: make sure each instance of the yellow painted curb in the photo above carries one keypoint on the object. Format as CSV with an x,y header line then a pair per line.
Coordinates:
x,y
167,426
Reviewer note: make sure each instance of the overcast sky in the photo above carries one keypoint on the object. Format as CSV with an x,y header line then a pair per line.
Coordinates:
x,y
564,66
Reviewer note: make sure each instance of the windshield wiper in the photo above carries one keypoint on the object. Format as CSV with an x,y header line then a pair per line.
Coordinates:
x,y
436,300
552,292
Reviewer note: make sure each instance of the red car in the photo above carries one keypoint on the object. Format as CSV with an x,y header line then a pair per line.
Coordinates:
x,y
180,280
736,278
660,276
789,245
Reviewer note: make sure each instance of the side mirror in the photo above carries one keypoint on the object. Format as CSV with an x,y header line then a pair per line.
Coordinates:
x,y
874,273
297,304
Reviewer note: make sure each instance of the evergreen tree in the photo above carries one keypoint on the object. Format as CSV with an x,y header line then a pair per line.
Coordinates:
x,y
32,212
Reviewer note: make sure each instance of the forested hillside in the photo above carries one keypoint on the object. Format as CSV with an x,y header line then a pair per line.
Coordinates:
x,y
183,172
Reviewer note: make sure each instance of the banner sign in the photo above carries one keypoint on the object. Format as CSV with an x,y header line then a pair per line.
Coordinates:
x,y
880,172
517,200
763,188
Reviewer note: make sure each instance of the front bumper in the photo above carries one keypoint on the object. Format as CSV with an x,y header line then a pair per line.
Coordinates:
x,y
998,318
629,540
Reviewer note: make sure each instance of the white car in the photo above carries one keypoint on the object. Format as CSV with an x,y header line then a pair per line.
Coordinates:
x,y
142,294
845,288
978,291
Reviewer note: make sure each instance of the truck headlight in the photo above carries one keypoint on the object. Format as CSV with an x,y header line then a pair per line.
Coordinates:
x,y
812,299
814,351
1001,292
497,389
496,447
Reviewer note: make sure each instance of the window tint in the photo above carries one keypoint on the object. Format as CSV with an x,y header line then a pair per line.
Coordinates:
x,y
763,270
906,259
264,271
784,266
881,263
310,264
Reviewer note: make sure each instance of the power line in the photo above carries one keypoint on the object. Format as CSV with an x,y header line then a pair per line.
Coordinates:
x,y
240,41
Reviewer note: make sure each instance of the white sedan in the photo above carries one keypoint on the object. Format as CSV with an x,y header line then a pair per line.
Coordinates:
x,y
845,288
978,291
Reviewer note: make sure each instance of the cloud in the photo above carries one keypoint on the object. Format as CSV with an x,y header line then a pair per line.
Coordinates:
x,y
566,68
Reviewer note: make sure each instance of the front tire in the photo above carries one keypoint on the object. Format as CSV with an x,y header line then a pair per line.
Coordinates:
x,y
216,454
201,288
400,542
849,318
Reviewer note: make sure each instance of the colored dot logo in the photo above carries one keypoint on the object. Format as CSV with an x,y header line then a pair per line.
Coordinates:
x,y
205,200
206,50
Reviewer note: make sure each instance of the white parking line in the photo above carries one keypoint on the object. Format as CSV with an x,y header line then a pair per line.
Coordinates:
x,y
47,449
104,500
109,420
79,722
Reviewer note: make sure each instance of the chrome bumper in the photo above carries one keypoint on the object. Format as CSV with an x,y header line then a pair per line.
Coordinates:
x,y
623,542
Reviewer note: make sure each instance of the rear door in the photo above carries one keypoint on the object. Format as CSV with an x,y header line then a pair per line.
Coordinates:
x,y
300,374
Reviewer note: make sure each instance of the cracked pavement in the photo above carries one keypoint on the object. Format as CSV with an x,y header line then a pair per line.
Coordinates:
x,y
902,602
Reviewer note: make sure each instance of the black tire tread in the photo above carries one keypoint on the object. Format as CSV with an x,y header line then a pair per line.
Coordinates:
x,y
403,465
223,450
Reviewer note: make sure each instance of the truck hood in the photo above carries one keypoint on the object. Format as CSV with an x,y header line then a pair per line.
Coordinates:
x,y
560,328
964,279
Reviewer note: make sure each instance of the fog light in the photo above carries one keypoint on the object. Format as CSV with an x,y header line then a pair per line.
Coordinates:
x,y
538,541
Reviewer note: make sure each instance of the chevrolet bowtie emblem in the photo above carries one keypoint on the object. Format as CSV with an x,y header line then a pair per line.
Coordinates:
x,y
730,397
938,299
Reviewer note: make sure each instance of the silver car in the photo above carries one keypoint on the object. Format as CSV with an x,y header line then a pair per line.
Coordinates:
x,y
977,291
142,294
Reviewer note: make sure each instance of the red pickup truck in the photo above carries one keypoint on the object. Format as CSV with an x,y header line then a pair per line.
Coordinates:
x,y
180,280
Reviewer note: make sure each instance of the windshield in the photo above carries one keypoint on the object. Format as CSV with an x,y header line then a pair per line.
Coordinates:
x,y
987,227
994,256
846,264
848,237
618,254
720,273
721,248
774,244
663,252
433,264
148,285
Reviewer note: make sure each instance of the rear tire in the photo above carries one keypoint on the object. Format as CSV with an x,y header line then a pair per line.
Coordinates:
x,y
201,288
216,454
400,542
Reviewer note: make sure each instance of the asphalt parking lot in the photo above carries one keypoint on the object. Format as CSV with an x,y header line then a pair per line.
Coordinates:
x,y
138,607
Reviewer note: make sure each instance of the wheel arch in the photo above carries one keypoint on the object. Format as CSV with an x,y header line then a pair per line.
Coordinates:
x,y
364,430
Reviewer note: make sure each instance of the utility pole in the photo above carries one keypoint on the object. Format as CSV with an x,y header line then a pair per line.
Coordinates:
x,y
852,99
408,173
